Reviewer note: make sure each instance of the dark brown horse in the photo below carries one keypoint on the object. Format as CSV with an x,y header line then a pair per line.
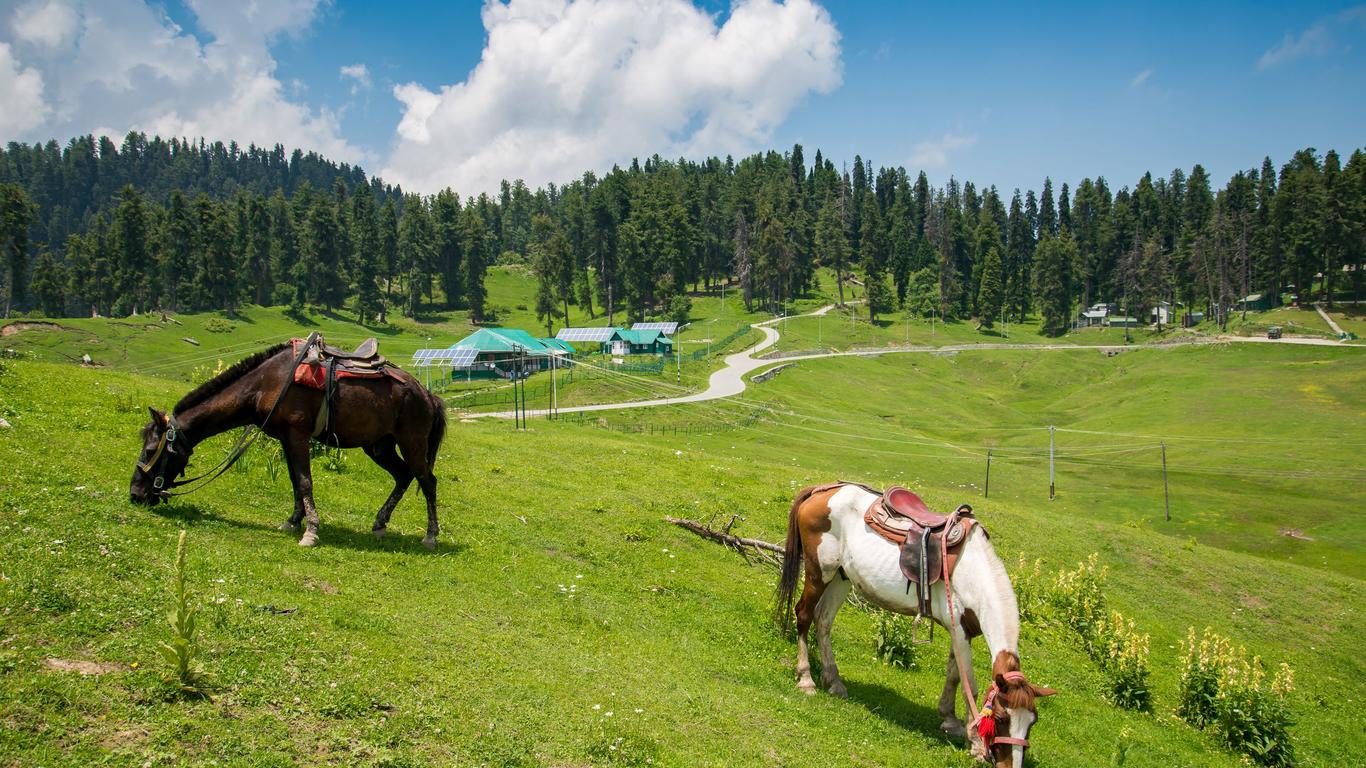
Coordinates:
x,y
393,418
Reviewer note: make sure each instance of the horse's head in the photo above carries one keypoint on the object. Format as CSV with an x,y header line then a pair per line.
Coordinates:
x,y
1012,699
163,458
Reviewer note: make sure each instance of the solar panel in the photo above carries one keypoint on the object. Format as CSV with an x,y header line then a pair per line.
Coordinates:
x,y
585,334
461,358
664,328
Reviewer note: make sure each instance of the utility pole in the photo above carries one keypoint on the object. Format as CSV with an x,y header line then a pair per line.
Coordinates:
x,y
1166,496
1051,486
554,388
986,489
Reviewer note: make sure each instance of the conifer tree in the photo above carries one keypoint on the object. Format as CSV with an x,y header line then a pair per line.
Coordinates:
x,y
49,284
991,293
449,250
476,241
1055,256
365,249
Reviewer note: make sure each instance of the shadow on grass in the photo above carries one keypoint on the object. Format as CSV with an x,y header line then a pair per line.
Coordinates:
x,y
897,710
329,535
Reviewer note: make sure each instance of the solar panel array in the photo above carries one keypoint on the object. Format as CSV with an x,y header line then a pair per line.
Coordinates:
x,y
585,334
455,358
665,328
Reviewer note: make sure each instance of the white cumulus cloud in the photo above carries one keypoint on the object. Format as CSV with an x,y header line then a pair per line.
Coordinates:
x,y
49,23
934,153
120,65
21,94
564,86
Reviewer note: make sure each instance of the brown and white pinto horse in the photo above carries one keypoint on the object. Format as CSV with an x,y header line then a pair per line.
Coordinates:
x,y
827,536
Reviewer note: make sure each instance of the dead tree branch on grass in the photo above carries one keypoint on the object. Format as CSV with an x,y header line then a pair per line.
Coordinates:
x,y
744,546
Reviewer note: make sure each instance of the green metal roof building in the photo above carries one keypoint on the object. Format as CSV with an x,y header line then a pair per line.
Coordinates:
x,y
632,342
498,348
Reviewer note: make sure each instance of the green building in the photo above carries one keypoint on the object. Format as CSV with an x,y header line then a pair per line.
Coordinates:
x,y
637,342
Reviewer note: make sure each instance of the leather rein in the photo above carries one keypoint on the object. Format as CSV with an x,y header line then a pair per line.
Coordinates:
x,y
989,700
166,445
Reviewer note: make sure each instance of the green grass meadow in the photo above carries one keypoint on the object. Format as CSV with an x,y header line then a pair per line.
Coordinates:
x,y
563,622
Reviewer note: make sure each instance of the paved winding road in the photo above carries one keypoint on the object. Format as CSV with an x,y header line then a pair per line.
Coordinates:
x,y
730,380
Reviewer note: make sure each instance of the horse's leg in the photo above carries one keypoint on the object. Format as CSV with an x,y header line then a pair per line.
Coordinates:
x,y
806,611
414,447
948,700
386,455
301,474
292,524
831,601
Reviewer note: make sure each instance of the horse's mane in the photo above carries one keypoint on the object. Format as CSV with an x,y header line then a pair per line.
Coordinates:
x,y
218,383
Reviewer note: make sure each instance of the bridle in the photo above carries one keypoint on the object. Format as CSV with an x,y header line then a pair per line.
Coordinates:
x,y
989,702
166,445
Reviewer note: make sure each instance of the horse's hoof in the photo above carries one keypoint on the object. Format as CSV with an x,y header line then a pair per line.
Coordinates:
x,y
838,690
430,543
379,532
310,539
289,527
808,688
954,727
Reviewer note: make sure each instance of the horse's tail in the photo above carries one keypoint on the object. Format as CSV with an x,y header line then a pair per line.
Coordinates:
x,y
438,431
792,564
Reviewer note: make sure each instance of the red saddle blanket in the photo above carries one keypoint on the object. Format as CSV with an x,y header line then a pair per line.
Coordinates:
x,y
312,373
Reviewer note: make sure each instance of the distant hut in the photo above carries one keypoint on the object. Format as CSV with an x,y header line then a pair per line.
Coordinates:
x,y
637,342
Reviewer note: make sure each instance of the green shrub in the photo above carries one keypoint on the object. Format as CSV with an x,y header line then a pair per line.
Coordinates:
x,y
1222,688
896,640
1125,664
1199,686
1031,590
219,325
1079,598
1251,711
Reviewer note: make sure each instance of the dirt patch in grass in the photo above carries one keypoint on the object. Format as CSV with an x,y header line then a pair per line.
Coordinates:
x,y
84,667
1296,533
14,329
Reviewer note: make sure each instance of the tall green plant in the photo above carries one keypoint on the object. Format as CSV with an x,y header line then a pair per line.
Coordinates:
x,y
182,652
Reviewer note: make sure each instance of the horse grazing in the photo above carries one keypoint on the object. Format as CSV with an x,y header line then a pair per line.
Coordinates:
x,y
386,412
831,534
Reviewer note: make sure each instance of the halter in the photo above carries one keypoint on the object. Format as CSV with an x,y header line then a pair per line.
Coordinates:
x,y
988,711
249,436
158,456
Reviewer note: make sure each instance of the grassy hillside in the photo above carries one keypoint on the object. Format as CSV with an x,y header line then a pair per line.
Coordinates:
x,y
561,622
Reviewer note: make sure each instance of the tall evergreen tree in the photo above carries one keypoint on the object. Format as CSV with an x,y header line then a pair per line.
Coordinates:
x,y
16,216
476,240
131,259
365,247
1054,258
991,291
449,250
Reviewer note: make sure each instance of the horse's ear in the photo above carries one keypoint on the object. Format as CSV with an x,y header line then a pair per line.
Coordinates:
x,y
1039,691
157,416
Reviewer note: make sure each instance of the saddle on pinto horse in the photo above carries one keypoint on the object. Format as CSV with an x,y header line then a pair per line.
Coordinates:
x,y
323,365
930,542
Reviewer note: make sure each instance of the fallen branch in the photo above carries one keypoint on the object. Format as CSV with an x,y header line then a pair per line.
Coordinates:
x,y
737,543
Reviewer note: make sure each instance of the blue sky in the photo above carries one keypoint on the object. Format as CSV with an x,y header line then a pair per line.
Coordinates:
x,y
1000,94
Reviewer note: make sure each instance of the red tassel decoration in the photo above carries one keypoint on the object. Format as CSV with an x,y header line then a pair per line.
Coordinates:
x,y
986,726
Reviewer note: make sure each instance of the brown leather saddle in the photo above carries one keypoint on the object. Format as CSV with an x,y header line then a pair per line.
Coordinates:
x,y
323,364
930,542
